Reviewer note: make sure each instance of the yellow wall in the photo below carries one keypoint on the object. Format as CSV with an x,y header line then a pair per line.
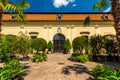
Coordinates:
x,y
48,30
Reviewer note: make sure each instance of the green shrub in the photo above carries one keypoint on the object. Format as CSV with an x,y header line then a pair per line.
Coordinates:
x,y
7,47
109,45
12,70
67,45
96,43
39,57
80,57
79,44
102,72
50,46
23,45
39,44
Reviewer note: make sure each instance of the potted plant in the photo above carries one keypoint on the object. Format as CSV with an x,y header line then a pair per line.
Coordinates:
x,y
67,46
50,47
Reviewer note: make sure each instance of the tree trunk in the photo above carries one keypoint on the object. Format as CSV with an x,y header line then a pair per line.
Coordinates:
x,y
1,11
116,16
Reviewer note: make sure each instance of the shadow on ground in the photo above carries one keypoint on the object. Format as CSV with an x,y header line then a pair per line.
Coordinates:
x,y
115,65
26,70
77,68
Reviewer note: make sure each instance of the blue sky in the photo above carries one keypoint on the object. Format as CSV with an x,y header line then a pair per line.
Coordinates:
x,y
63,6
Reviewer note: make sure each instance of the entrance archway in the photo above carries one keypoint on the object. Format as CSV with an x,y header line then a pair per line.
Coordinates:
x,y
59,41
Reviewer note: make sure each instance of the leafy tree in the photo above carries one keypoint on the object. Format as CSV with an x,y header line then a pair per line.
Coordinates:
x,y
67,45
96,43
109,43
7,47
39,44
23,45
102,4
6,5
79,44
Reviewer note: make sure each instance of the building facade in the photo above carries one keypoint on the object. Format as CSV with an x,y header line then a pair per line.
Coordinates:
x,y
59,27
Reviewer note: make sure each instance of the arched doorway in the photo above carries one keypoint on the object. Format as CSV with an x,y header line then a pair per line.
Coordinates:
x,y
59,41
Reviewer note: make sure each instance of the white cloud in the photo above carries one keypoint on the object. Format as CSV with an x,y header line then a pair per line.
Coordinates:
x,y
60,3
108,9
74,5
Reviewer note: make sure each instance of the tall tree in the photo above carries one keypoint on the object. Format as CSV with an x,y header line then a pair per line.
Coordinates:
x,y
115,12
6,5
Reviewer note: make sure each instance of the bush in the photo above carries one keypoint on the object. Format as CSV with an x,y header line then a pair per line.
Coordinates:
x,y
102,72
7,47
80,44
109,45
80,57
50,46
39,44
96,43
23,45
12,70
67,46
39,57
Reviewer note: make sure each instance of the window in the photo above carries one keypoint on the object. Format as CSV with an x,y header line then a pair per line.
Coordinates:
x,y
33,34
12,17
105,17
59,17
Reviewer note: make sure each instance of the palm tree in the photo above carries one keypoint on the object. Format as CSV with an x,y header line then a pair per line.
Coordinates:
x,y
6,5
115,12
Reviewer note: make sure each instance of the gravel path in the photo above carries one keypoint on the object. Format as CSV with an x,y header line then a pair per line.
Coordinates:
x,y
58,67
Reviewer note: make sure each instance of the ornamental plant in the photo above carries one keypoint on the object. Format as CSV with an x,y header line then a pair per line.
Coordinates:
x,y
38,44
12,70
109,44
50,46
7,47
96,43
102,72
67,46
80,57
39,57
79,44
23,45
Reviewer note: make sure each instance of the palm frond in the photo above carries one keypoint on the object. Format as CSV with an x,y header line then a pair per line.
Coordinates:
x,y
102,4
20,17
23,5
10,6
2,6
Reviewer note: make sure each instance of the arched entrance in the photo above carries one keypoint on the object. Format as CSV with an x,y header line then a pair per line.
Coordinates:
x,y
59,41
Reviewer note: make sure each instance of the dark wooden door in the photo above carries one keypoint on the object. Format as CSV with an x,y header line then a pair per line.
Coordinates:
x,y
59,41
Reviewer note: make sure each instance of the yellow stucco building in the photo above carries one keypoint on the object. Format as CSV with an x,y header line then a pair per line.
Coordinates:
x,y
58,27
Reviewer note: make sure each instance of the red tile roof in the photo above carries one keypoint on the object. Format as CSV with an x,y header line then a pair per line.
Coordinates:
x,y
53,17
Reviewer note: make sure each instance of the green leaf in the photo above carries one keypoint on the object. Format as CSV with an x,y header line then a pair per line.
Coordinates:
x,y
102,4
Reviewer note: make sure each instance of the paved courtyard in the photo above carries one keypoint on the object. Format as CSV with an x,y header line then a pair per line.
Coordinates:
x,y
58,67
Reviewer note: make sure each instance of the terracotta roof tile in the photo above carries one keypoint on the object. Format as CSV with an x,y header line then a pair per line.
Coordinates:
x,y
37,17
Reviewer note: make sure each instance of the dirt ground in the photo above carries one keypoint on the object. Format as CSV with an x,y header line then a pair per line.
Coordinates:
x,y
58,67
